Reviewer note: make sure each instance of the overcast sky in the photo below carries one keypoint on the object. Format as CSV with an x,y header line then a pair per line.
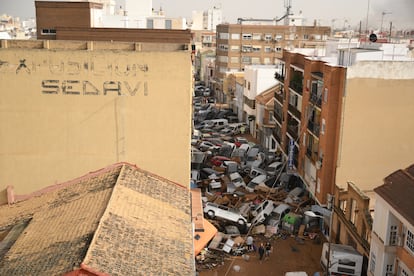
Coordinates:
x,y
327,12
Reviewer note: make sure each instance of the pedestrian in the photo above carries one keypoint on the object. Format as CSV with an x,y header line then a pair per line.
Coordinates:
x,y
268,248
249,243
261,251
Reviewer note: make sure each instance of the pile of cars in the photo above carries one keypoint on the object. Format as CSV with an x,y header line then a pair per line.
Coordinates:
x,y
243,184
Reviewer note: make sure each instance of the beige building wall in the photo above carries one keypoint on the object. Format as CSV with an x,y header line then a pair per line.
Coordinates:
x,y
377,123
64,113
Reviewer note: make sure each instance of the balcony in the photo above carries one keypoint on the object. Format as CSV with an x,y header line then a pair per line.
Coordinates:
x,y
295,112
277,134
278,116
297,86
293,130
313,155
280,96
280,77
314,128
316,99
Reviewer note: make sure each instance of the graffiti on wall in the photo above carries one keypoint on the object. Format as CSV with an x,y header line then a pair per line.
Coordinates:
x,y
71,85
78,87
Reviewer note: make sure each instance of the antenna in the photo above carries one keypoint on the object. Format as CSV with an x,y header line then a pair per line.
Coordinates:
x,y
382,18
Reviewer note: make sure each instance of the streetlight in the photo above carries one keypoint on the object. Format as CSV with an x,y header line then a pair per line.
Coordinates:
x,y
328,261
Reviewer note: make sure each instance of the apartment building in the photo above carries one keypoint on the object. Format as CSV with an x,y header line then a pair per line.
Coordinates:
x,y
392,242
239,45
264,117
71,107
331,126
52,17
257,79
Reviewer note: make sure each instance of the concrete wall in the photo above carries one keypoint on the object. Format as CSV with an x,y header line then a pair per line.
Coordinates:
x,y
66,112
377,125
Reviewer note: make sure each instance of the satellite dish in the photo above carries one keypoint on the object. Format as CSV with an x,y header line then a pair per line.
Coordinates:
x,y
372,37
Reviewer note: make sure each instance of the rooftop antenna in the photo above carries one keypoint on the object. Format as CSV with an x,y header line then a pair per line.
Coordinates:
x,y
382,18
366,26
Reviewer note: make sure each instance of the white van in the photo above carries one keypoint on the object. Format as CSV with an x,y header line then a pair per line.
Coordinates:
x,y
217,123
344,259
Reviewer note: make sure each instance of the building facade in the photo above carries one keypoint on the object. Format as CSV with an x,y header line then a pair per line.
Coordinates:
x,y
239,45
70,107
392,243
331,126
257,79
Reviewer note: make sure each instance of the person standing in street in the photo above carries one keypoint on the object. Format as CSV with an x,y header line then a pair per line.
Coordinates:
x,y
261,251
268,248
249,243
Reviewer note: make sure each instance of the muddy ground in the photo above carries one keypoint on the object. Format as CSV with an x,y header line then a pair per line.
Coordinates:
x,y
288,255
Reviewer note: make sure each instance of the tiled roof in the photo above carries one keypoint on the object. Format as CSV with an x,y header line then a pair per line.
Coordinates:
x,y
121,221
398,191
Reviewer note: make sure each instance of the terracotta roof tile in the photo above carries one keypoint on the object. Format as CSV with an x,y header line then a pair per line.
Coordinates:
x,y
398,191
120,222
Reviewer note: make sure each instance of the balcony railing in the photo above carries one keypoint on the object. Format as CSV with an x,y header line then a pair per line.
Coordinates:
x,y
293,131
297,86
314,128
316,99
277,135
277,116
312,155
280,96
280,77
294,111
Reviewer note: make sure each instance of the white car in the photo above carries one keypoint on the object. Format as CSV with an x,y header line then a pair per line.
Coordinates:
x,y
262,211
214,210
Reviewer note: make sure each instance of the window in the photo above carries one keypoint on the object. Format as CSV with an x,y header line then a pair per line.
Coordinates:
x,y
268,49
255,60
224,59
389,269
325,95
354,210
278,37
257,36
372,266
223,36
257,48
393,235
247,36
235,36
278,49
235,48
306,36
402,272
247,48
410,241
223,47
266,60
48,32
268,37
323,127
235,60
342,205
150,23
246,60
168,24
293,99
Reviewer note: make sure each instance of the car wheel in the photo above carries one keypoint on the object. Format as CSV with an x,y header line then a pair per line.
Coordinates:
x,y
241,222
210,214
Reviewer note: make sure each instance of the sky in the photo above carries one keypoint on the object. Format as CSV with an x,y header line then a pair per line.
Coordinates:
x,y
333,13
